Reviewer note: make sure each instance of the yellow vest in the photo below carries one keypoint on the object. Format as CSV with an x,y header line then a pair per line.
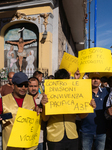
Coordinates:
x,y
10,105
58,124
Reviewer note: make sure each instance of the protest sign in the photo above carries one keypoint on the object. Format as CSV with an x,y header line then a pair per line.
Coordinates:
x,y
94,59
106,74
70,63
26,129
109,69
81,75
68,96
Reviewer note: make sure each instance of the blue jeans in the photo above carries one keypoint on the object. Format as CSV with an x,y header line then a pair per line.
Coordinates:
x,y
40,146
86,141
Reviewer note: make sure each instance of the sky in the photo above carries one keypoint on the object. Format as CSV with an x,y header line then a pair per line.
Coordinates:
x,y
104,23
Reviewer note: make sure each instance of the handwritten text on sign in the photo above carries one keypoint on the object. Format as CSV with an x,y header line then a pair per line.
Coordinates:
x,y
95,59
70,63
68,96
26,129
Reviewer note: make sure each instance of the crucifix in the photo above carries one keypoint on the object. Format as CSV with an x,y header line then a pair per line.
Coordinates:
x,y
21,52
21,32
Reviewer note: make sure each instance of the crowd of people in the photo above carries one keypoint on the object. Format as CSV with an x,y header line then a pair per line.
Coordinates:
x,y
59,132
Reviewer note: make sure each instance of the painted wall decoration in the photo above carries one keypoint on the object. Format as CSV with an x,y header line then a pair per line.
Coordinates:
x,y
20,49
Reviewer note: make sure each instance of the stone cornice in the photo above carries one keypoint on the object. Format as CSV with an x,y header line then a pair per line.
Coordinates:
x,y
6,2
23,4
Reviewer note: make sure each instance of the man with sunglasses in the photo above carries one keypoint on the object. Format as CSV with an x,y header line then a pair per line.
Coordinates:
x,y
93,127
11,102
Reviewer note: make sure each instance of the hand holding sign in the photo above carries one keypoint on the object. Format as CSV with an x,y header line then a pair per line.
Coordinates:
x,y
44,99
77,74
93,103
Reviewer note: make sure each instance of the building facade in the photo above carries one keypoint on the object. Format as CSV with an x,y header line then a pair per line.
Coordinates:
x,y
45,29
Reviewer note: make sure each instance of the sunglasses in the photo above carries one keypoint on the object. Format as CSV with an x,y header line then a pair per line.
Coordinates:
x,y
21,85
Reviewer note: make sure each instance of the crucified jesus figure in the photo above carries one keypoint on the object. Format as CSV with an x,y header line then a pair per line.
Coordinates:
x,y
21,52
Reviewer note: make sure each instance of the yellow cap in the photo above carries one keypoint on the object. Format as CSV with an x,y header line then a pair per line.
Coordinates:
x,y
94,74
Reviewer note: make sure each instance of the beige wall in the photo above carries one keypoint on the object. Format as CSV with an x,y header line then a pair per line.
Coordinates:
x,y
64,36
45,53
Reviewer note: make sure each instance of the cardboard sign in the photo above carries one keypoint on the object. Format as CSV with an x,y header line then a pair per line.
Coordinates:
x,y
109,69
94,59
106,74
70,63
26,129
68,96
81,75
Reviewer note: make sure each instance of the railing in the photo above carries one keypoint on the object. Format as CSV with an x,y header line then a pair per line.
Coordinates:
x,y
4,79
28,72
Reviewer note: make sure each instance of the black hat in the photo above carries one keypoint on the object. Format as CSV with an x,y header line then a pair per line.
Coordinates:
x,y
19,78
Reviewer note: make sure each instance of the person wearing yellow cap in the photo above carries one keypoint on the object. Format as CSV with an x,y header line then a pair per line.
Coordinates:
x,y
93,127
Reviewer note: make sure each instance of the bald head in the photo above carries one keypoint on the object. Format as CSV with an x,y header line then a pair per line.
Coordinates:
x,y
10,76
